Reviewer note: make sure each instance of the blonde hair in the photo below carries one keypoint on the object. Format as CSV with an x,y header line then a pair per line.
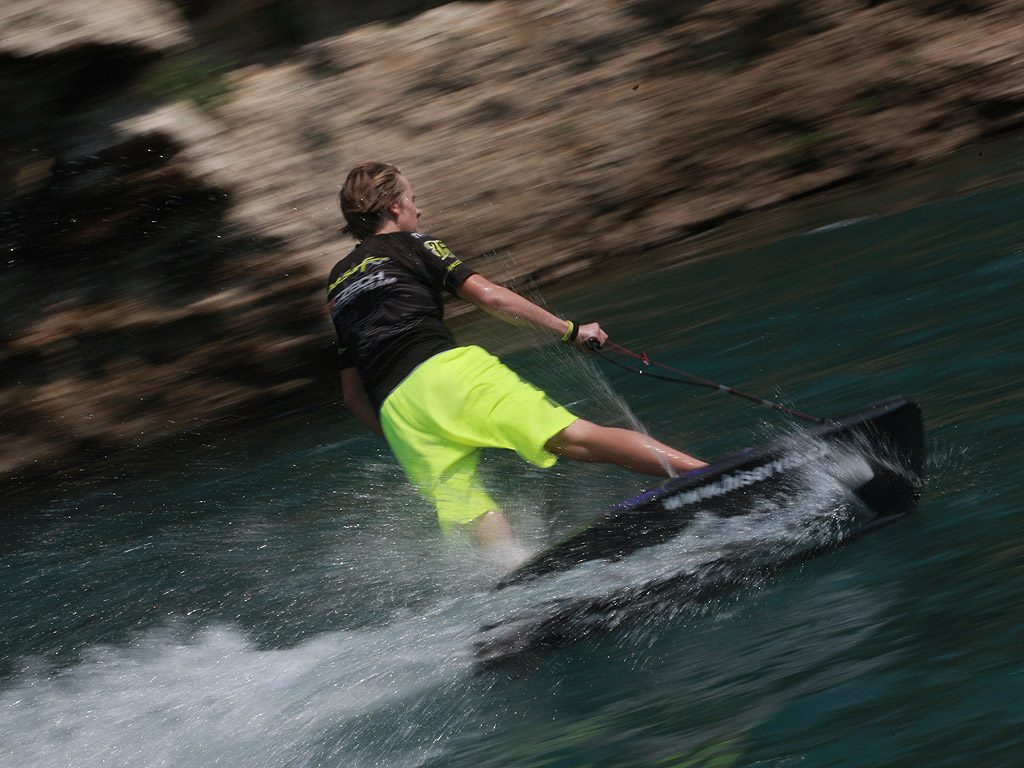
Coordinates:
x,y
369,190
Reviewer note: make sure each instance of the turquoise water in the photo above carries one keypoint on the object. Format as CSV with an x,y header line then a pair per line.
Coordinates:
x,y
280,598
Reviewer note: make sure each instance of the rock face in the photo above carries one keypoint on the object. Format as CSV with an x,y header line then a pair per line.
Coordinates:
x,y
43,28
170,171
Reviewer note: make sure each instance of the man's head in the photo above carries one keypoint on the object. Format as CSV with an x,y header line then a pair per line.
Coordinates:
x,y
377,196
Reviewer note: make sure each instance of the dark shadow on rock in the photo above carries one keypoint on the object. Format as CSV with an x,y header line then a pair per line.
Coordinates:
x,y
270,31
117,256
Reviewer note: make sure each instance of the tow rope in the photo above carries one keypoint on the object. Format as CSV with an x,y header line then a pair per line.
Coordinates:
x,y
689,378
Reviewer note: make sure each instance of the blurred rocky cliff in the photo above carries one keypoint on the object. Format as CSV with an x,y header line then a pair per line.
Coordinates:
x,y
170,169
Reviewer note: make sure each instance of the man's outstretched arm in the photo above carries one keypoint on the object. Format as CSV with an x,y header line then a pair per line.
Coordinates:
x,y
518,310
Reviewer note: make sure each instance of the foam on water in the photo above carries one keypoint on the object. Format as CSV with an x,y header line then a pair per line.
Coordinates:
x,y
180,697
838,225
217,699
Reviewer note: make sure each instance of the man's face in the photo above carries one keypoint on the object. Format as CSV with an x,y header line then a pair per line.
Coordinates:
x,y
406,214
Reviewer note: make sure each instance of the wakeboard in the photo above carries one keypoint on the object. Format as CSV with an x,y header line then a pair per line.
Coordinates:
x,y
887,440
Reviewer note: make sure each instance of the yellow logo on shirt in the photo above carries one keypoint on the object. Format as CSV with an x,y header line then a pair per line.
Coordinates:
x,y
361,267
439,249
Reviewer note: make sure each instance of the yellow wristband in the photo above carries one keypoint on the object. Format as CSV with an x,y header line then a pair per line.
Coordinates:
x,y
572,333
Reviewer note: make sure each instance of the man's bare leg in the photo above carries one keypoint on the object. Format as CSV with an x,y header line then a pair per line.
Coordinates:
x,y
493,538
491,529
585,441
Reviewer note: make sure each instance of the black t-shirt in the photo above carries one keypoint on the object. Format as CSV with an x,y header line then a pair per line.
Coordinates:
x,y
385,299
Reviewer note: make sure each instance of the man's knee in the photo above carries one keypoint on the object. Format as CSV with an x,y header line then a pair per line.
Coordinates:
x,y
576,438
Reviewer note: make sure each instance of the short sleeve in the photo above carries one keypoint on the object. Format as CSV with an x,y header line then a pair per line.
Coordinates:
x,y
449,268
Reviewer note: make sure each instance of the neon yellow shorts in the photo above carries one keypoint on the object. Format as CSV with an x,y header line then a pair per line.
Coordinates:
x,y
446,410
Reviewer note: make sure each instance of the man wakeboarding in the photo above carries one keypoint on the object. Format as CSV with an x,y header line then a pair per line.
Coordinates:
x,y
438,403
